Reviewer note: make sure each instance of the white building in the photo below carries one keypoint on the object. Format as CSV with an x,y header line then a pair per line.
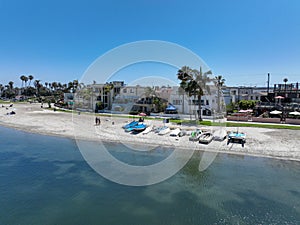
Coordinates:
x,y
235,94
127,97
189,105
122,98
96,96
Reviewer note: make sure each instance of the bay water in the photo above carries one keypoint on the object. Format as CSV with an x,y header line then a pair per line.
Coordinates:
x,y
45,180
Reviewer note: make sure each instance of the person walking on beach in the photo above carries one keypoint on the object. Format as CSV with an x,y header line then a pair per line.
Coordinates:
x,y
97,121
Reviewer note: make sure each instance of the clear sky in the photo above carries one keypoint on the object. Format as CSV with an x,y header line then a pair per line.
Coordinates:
x,y
243,40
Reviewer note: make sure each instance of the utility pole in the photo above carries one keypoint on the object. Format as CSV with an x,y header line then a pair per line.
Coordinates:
x,y
268,88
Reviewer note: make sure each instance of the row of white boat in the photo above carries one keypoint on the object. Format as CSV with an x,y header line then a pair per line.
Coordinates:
x,y
200,135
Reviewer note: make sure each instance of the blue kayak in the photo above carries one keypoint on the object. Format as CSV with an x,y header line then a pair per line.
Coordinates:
x,y
136,128
131,124
139,127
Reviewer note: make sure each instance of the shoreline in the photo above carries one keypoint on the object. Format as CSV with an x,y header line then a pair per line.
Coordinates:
x,y
261,142
182,148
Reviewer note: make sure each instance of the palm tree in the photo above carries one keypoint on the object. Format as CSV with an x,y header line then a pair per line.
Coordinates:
x,y
22,79
219,82
54,85
30,77
50,86
65,89
6,90
25,80
37,86
194,82
1,89
75,85
70,86
47,89
59,86
11,85
107,89
156,101
285,80
150,92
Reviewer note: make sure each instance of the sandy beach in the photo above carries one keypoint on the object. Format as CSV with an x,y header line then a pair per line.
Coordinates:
x,y
275,143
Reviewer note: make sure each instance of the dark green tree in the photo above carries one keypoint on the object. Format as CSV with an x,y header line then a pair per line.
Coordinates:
x,y
195,83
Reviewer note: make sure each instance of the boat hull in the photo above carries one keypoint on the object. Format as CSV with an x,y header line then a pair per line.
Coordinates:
x,y
237,138
206,138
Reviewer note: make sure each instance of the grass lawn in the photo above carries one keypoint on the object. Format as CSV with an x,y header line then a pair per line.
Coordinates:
x,y
193,122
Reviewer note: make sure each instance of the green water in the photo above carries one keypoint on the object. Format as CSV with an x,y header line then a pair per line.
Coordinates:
x,y
44,180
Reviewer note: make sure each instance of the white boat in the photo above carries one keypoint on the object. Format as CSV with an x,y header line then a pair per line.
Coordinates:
x,y
182,133
237,137
158,129
147,130
164,130
206,138
220,135
175,132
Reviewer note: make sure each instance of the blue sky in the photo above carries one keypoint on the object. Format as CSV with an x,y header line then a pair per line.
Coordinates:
x,y
239,39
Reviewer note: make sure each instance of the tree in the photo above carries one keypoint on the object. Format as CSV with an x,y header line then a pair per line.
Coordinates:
x,y
37,86
9,90
107,89
25,80
150,92
54,85
285,80
194,82
22,79
30,77
1,89
11,85
75,85
87,95
184,74
159,104
70,86
247,104
59,85
219,82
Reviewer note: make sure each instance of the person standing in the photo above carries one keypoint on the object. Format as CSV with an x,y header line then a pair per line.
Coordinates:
x,y
97,121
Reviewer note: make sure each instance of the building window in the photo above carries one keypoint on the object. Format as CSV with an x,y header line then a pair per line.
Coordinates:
x,y
207,102
131,90
124,90
195,102
176,102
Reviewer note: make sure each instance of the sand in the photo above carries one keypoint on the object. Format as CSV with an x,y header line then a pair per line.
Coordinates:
x,y
275,143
